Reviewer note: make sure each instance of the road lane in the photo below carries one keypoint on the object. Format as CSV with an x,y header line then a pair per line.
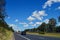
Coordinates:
x,y
33,37
18,37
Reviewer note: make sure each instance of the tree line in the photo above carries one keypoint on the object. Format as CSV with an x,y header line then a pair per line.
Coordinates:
x,y
3,15
49,27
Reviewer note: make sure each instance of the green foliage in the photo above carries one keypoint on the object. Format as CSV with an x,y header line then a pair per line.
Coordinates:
x,y
52,21
59,19
2,9
10,28
42,27
52,24
2,17
58,29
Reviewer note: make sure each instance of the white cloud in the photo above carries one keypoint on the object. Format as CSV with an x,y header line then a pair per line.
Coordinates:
x,y
16,20
37,23
46,21
42,13
12,25
30,18
15,27
50,2
39,14
31,23
36,15
58,7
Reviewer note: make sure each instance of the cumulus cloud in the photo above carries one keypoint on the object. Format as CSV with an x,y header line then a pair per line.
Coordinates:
x,y
42,13
39,14
50,2
36,15
16,20
37,23
30,18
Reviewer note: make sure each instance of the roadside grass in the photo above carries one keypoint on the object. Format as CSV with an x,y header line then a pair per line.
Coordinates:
x,y
5,34
9,35
51,34
57,35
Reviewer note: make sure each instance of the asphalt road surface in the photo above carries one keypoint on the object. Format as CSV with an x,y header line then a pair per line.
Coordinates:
x,y
33,37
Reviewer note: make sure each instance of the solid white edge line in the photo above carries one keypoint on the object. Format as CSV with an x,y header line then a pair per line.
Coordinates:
x,y
23,37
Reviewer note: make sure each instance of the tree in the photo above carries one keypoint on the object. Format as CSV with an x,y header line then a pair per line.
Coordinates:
x,y
42,27
2,9
2,13
59,18
52,24
58,29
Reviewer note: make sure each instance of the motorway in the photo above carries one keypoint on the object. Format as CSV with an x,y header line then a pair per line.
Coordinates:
x,y
33,37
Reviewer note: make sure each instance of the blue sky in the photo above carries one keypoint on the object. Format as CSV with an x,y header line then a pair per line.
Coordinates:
x,y
24,14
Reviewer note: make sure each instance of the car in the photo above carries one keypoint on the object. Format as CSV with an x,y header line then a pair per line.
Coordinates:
x,y
23,33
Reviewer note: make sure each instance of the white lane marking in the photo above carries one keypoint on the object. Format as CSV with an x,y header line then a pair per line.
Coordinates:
x,y
23,37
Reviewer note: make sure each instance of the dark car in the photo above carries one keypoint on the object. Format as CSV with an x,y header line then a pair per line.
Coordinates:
x,y
23,33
